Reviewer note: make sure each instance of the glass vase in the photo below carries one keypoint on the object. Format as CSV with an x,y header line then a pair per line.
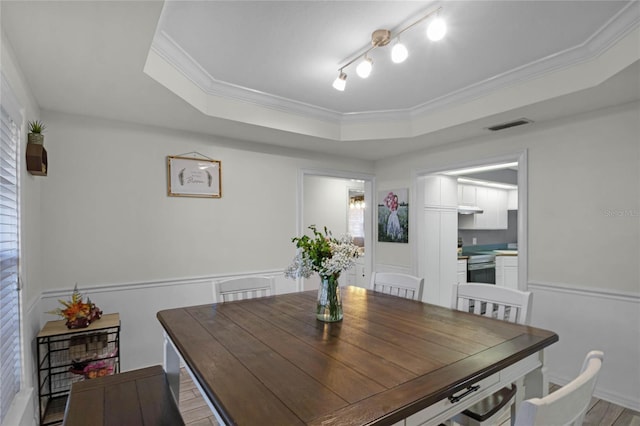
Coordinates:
x,y
329,308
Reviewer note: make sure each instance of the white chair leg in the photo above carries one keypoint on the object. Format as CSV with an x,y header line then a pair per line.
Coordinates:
x,y
172,368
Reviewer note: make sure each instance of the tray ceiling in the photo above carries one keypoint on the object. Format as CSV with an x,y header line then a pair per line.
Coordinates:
x,y
261,71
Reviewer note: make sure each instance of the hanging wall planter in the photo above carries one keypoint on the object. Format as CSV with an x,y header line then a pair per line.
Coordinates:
x,y
36,154
36,128
35,138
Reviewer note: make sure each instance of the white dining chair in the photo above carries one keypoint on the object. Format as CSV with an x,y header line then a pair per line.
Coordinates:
x,y
501,303
492,301
567,405
243,288
397,284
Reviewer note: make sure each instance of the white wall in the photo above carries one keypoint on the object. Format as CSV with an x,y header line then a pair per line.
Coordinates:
x,y
326,203
108,219
110,227
584,232
102,219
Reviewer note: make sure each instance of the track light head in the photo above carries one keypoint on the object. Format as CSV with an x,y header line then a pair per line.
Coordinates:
x,y
437,29
340,82
399,53
364,68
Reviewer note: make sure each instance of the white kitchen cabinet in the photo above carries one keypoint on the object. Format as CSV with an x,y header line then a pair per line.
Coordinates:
x,y
439,256
467,195
440,192
507,271
493,202
462,271
502,214
512,199
483,220
437,236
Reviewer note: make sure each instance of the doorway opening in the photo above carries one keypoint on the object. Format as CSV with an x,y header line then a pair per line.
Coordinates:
x,y
472,225
341,202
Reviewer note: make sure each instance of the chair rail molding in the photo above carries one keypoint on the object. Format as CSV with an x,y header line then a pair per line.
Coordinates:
x,y
626,296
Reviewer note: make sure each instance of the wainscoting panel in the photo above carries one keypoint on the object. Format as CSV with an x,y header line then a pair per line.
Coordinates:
x,y
587,319
138,303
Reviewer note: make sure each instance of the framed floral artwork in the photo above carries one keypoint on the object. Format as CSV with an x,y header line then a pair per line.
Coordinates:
x,y
194,177
393,216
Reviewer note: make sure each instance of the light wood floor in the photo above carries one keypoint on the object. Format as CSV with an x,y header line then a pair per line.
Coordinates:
x,y
195,411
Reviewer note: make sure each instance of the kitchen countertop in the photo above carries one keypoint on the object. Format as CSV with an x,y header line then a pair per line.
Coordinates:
x,y
506,252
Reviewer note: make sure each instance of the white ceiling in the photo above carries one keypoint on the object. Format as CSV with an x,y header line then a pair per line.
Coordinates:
x,y
259,72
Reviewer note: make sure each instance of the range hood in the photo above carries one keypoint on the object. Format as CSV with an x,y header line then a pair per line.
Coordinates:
x,y
469,210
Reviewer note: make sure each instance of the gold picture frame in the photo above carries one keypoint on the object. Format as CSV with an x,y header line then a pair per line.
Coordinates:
x,y
194,177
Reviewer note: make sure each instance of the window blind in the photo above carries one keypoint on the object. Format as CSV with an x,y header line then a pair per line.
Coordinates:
x,y
10,359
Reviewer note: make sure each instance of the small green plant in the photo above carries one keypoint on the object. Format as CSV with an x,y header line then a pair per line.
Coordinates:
x,y
36,126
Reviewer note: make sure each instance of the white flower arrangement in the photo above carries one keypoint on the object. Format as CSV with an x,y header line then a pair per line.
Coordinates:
x,y
324,254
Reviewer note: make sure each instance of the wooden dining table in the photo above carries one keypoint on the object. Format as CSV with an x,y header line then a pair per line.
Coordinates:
x,y
390,361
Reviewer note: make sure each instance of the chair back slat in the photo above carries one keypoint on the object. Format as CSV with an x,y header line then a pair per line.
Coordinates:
x,y
243,288
501,312
396,284
492,301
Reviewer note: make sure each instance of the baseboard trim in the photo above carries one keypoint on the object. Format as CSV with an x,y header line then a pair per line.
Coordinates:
x,y
21,412
612,397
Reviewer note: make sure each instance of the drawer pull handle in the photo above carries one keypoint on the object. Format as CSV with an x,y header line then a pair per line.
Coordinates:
x,y
469,390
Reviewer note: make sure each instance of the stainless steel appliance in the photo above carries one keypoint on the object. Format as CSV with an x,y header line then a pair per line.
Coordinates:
x,y
481,268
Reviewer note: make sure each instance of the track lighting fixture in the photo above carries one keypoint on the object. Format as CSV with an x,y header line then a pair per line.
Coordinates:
x,y
379,38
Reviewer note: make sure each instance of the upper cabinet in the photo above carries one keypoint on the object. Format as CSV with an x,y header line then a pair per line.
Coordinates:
x,y
467,195
492,201
440,192
512,199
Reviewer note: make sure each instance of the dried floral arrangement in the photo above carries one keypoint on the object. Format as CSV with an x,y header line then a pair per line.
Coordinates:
x,y
78,314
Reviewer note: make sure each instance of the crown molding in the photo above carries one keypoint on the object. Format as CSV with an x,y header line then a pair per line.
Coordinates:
x,y
622,24
625,21
179,58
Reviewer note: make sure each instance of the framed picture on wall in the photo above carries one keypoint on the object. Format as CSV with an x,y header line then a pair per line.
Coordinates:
x,y
393,216
194,177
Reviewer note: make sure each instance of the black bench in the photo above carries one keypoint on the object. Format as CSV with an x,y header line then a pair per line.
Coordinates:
x,y
139,397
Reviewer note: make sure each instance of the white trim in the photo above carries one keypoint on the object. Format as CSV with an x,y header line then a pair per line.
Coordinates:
x,y
31,306
169,50
595,45
523,209
369,194
523,220
613,397
21,412
87,290
599,293
10,102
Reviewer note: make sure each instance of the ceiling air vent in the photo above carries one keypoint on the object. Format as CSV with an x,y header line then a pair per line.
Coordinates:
x,y
514,123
